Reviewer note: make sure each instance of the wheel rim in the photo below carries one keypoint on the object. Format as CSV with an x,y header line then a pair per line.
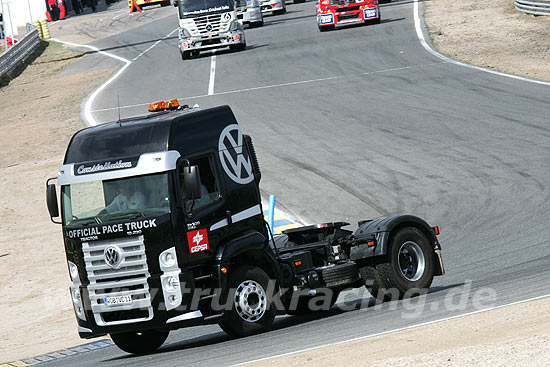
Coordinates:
x,y
411,261
250,301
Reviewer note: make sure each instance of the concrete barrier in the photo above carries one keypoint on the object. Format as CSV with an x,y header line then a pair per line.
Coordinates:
x,y
16,54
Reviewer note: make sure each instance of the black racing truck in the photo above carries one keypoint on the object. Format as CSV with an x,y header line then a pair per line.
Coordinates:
x,y
163,228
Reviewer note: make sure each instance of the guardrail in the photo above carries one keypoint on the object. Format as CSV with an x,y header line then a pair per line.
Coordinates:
x,y
540,7
19,52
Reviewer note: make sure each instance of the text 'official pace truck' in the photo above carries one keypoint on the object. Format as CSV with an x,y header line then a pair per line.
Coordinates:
x,y
163,228
208,24
331,13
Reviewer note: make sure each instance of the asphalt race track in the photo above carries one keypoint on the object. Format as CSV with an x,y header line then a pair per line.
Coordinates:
x,y
353,124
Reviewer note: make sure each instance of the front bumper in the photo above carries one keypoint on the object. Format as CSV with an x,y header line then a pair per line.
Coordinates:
x,y
336,16
250,16
222,39
270,6
163,317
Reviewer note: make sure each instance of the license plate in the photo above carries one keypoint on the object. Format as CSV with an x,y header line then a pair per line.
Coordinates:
x,y
326,19
370,13
120,300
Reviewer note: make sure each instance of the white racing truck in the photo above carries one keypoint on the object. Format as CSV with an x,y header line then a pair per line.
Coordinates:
x,y
249,12
208,24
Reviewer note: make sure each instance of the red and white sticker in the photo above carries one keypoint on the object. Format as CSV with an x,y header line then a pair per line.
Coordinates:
x,y
198,241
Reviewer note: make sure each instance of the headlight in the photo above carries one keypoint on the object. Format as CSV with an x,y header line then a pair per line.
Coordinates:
x,y
184,33
171,284
235,25
168,260
76,296
73,271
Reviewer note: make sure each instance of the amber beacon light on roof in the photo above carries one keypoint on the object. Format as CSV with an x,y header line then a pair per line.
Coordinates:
x,y
172,104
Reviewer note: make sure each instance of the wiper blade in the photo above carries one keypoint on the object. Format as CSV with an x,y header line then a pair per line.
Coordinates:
x,y
83,221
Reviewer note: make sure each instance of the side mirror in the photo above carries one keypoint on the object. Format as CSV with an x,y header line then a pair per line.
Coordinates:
x,y
51,200
176,2
191,182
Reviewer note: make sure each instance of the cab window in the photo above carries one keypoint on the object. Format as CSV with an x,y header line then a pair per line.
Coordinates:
x,y
209,185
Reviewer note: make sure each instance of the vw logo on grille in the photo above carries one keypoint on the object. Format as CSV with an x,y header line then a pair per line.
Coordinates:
x,y
113,256
209,27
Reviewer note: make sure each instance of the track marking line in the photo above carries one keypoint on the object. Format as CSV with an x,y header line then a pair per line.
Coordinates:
x,y
284,84
154,44
393,331
89,118
212,74
434,52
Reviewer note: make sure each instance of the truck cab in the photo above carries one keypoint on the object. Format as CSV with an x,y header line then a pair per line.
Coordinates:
x,y
208,24
331,13
163,228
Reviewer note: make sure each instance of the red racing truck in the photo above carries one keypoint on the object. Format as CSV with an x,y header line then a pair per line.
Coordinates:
x,y
335,12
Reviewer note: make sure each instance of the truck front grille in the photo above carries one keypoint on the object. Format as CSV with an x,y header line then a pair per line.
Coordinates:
x,y
341,2
128,279
342,17
208,23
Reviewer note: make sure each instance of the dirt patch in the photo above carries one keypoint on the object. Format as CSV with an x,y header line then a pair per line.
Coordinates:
x,y
491,34
40,112
508,336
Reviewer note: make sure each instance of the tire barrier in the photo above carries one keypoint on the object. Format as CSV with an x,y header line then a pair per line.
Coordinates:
x,y
45,29
540,7
19,52
36,23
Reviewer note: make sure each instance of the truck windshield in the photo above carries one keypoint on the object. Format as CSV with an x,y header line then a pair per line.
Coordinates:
x,y
100,201
197,7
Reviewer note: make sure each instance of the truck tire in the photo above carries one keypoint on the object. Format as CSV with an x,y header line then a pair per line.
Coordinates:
x,y
251,311
186,55
280,11
410,266
238,47
257,24
326,28
140,342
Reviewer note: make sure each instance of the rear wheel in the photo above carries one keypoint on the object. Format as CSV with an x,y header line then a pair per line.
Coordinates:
x,y
140,342
408,271
251,311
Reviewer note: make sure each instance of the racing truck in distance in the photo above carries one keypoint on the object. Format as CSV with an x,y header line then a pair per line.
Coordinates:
x,y
331,13
249,12
208,24
163,228
275,7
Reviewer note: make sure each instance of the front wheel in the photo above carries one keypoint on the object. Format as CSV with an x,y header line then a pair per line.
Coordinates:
x,y
409,267
257,24
140,342
326,28
238,47
251,311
